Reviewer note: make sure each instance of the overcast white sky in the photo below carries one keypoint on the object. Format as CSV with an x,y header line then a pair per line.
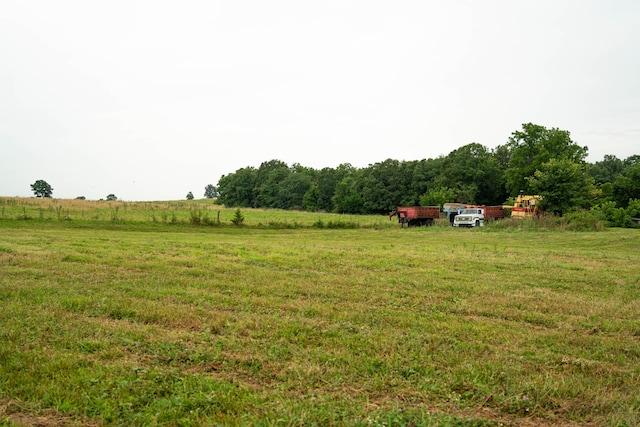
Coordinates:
x,y
152,99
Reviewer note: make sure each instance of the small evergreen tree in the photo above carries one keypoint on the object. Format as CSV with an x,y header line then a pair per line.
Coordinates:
x,y
238,218
189,195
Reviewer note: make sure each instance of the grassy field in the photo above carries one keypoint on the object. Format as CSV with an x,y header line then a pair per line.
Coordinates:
x,y
136,321
194,212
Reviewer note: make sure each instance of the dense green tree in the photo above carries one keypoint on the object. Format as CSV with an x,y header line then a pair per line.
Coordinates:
x,y
474,174
319,197
112,197
326,181
437,197
423,176
533,146
627,185
409,187
347,198
268,189
605,171
563,185
467,193
298,168
210,191
502,154
603,192
617,216
383,186
633,209
310,198
41,188
237,189
292,190
190,196
631,160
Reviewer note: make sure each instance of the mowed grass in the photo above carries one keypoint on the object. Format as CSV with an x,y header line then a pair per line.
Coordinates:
x,y
168,325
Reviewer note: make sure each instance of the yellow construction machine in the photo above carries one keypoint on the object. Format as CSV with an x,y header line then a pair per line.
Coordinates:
x,y
526,206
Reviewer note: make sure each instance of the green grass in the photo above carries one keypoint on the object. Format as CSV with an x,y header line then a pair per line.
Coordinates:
x,y
151,323
198,212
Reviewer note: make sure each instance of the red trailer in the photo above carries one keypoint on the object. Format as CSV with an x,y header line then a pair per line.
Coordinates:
x,y
416,215
491,212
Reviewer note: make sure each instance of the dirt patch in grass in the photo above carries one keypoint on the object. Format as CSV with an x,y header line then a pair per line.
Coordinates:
x,y
13,412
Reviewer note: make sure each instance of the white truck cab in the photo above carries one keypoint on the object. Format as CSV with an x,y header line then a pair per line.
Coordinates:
x,y
470,217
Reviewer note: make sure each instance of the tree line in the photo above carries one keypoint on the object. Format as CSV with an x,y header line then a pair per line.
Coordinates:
x,y
534,160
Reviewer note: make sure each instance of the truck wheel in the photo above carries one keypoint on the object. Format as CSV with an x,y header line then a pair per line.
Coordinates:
x,y
477,223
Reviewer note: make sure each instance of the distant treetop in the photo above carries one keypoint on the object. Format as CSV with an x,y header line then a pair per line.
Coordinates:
x,y
41,188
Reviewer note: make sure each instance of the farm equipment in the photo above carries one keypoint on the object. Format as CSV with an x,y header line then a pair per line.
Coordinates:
x,y
451,210
525,206
475,216
416,215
